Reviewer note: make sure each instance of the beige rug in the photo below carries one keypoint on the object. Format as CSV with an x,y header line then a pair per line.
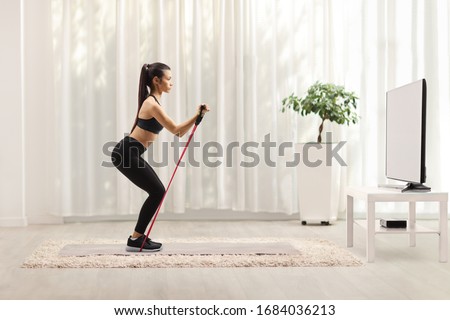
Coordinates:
x,y
207,253
181,248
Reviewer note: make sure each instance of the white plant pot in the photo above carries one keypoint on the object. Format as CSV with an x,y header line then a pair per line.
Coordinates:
x,y
318,185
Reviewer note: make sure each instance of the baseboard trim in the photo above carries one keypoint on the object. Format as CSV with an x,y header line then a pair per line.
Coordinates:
x,y
203,215
193,215
45,219
13,222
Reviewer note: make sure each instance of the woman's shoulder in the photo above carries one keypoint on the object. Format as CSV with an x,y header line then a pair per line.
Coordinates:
x,y
148,108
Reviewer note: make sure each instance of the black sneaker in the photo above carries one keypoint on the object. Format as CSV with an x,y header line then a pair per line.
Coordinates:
x,y
150,241
149,246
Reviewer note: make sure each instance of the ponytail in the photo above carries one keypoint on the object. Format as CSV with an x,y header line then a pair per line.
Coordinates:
x,y
148,72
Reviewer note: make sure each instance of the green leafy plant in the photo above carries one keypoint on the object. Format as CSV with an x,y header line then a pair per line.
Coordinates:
x,y
329,101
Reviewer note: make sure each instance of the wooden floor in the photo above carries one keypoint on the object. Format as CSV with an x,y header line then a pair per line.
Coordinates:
x,y
399,271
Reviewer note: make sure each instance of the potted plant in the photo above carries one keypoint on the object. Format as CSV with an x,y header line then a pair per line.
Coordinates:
x,y
329,101
318,186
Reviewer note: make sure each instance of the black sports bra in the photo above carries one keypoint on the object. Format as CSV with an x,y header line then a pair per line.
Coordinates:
x,y
151,124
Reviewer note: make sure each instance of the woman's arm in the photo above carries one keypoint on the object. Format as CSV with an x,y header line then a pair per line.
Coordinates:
x,y
185,126
177,129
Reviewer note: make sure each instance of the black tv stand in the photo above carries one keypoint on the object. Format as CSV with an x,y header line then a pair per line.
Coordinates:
x,y
409,187
416,187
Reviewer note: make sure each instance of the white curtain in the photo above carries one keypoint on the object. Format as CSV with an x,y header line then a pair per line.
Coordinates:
x,y
242,57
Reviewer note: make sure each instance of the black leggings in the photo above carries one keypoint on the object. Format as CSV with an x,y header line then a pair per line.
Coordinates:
x,y
126,157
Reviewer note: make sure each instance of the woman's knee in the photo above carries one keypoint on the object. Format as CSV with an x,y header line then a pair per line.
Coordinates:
x,y
155,191
159,191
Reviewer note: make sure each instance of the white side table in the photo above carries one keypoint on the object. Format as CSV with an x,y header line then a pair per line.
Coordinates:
x,y
371,195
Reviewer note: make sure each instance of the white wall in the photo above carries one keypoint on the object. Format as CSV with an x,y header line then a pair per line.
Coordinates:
x,y
27,114
12,211
40,135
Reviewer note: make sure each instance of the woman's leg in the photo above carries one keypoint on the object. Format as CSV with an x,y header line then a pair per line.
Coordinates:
x,y
150,182
126,157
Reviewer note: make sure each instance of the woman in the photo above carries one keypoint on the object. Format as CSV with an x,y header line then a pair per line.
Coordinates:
x,y
126,156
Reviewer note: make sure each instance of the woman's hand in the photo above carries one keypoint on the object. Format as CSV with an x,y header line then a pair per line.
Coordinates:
x,y
201,110
206,109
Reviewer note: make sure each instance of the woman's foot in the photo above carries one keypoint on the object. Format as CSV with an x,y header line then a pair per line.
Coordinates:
x,y
135,244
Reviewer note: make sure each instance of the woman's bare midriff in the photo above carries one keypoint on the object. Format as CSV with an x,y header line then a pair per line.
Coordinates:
x,y
143,136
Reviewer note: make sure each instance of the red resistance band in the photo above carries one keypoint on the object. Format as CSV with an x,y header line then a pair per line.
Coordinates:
x,y
197,122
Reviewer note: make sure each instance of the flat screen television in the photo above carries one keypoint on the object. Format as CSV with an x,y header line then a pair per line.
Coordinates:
x,y
406,108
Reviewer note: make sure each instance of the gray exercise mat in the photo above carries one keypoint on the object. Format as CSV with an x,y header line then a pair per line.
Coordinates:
x,y
205,248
